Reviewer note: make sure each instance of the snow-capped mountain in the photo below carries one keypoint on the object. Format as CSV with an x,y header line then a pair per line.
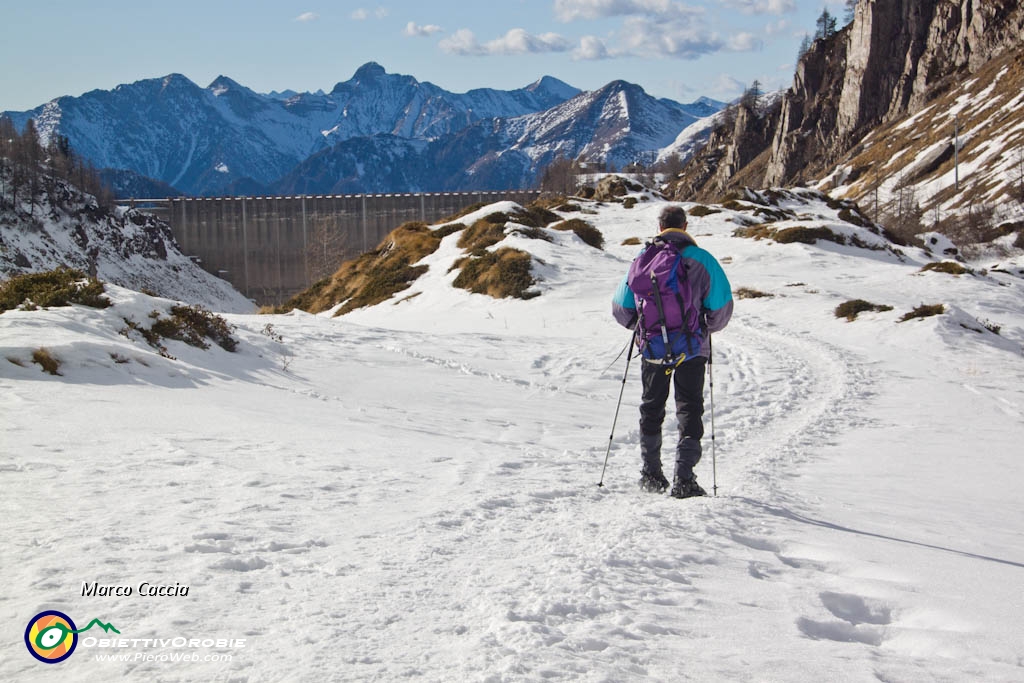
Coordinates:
x,y
374,132
207,140
618,124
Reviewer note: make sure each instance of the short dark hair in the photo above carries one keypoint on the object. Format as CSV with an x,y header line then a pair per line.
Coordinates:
x,y
672,217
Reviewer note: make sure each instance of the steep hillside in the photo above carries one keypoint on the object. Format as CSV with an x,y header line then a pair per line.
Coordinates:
x,y
128,248
960,155
894,61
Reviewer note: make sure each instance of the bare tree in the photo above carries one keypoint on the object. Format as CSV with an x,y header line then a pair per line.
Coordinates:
x,y
902,214
671,166
1020,174
561,176
326,247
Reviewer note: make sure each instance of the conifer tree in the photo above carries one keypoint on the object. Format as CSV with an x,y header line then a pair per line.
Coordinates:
x,y
826,25
805,47
851,11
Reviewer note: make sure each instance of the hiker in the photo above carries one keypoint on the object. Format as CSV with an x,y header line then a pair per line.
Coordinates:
x,y
674,296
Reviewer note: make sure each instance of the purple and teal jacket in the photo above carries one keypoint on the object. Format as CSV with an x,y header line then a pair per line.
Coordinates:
x,y
708,284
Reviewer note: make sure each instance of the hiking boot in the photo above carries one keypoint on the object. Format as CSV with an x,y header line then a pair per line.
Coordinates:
x,y
653,483
687,488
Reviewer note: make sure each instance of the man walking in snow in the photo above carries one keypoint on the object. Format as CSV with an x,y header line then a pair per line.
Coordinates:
x,y
674,296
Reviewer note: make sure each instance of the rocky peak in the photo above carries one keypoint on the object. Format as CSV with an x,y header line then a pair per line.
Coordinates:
x,y
369,72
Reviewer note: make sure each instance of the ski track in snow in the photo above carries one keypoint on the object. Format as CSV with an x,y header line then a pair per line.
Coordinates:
x,y
646,557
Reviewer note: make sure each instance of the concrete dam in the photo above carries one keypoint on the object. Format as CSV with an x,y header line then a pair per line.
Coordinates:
x,y
271,248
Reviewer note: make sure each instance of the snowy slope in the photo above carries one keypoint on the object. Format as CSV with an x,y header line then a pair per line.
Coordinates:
x,y
127,247
408,491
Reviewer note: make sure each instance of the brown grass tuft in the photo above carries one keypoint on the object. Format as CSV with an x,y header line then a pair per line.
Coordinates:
x,y
584,230
46,361
500,274
375,276
924,311
851,309
748,293
949,267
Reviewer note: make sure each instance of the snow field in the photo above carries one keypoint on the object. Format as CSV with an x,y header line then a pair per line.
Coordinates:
x,y
409,492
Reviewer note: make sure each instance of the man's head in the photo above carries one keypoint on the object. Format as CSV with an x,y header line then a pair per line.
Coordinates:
x,y
672,217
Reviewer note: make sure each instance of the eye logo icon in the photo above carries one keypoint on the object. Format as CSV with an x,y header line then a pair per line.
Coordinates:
x,y
51,636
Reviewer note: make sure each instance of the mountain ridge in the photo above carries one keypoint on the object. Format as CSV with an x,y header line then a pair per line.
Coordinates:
x,y
225,136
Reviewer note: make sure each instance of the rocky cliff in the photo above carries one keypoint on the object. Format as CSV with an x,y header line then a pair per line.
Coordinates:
x,y
895,57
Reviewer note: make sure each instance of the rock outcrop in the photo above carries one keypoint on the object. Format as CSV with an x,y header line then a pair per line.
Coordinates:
x,y
890,61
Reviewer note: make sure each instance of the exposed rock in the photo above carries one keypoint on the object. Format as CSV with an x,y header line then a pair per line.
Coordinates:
x,y
611,188
896,56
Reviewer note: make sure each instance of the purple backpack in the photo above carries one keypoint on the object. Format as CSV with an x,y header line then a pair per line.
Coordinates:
x,y
669,317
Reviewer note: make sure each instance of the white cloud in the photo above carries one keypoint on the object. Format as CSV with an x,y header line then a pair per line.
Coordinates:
x,y
516,42
362,14
761,6
590,48
415,30
649,38
462,42
571,10
726,87
519,42
307,16
744,42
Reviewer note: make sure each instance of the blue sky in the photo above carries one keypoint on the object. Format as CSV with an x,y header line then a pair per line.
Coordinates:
x,y
681,49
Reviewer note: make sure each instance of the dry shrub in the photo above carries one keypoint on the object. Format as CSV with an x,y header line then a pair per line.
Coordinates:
x,y
854,216
550,201
500,274
481,235
539,216
584,230
46,361
60,287
194,325
701,210
630,241
949,267
755,232
851,309
748,293
924,311
807,235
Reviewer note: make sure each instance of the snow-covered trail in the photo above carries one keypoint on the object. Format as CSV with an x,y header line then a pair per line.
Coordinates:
x,y
428,500
409,493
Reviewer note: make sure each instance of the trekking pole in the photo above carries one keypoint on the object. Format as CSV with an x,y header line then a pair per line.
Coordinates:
x,y
628,345
622,389
711,384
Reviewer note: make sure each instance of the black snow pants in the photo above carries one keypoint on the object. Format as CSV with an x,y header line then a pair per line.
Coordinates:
x,y
688,382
